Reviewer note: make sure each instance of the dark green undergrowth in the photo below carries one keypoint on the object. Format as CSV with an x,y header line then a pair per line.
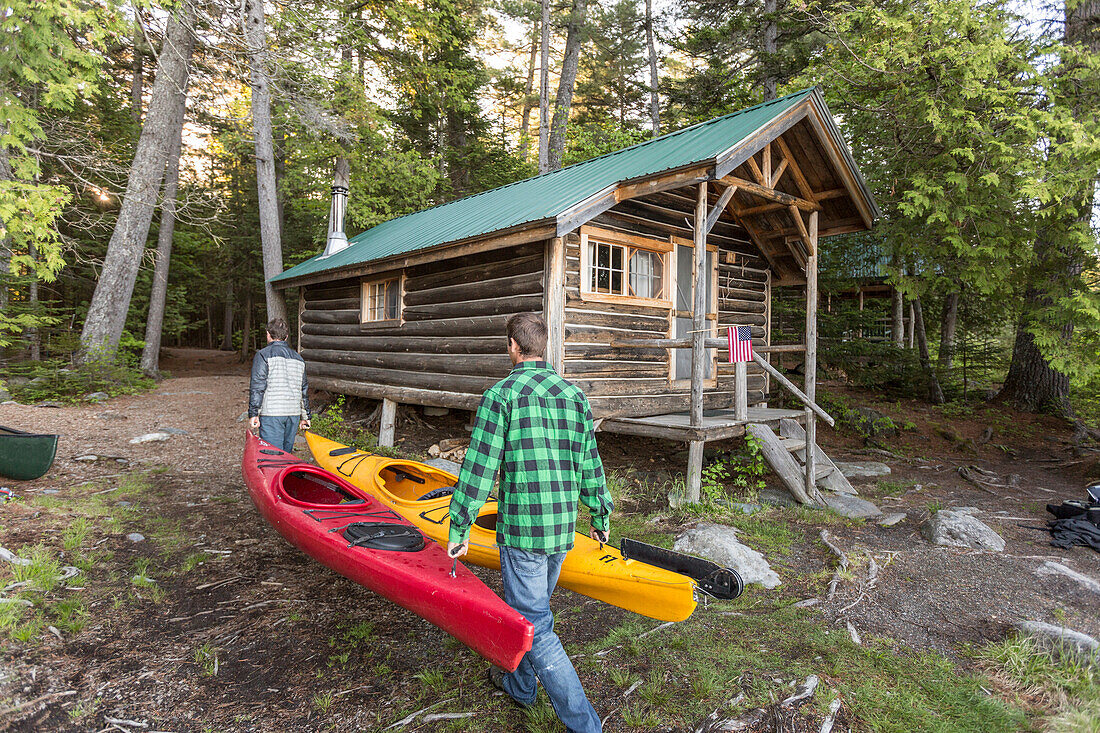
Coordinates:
x,y
61,380
333,423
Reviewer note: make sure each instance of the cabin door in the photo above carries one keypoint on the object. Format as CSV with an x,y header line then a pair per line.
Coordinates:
x,y
682,313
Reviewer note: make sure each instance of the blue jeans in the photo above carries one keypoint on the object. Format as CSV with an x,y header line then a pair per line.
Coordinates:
x,y
529,580
280,431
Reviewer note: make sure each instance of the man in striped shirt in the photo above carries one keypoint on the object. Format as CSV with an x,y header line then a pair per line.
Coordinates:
x,y
277,401
535,430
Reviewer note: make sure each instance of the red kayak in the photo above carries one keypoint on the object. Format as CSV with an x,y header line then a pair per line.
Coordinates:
x,y
350,532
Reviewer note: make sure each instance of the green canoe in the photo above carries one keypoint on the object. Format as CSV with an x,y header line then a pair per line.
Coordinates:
x,y
25,456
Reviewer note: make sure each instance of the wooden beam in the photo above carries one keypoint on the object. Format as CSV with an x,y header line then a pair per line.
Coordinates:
x,y
695,472
719,207
843,226
388,423
811,250
740,391
592,206
778,172
520,235
766,173
796,172
769,193
554,303
782,379
699,314
756,172
666,182
757,239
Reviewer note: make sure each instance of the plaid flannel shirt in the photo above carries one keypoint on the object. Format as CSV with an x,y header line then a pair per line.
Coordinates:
x,y
535,429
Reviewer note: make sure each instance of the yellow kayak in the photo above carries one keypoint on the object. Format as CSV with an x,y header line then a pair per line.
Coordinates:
x,y
421,494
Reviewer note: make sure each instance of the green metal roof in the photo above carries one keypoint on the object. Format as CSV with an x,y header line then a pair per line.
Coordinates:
x,y
544,197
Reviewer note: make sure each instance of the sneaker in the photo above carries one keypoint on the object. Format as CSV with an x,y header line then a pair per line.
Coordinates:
x,y
496,677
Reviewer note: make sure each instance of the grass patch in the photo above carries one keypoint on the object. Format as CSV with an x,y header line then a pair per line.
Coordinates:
x,y
1062,689
206,656
708,659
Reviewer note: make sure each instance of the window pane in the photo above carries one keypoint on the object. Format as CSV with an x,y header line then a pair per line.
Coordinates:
x,y
646,274
391,299
617,258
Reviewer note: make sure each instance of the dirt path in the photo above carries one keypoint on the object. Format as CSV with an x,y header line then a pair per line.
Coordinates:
x,y
213,622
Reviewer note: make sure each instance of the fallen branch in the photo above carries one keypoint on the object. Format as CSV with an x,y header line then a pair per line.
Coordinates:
x,y
843,565
804,692
410,718
710,720
124,722
656,628
827,724
16,708
445,716
632,688
967,473
872,570
854,634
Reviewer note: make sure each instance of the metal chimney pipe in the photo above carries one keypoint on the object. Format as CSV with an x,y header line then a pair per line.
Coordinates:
x,y
337,240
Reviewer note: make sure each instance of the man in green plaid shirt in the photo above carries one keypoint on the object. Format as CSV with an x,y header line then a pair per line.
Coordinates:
x,y
535,430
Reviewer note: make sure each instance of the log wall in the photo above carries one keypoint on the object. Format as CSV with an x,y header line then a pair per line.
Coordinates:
x,y
449,348
634,381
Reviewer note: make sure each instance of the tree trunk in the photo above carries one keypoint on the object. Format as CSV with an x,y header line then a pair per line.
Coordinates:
x,y
567,82
5,239
34,337
771,33
935,393
256,39
227,323
651,45
137,69
897,321
948,324
154,325
1032,384
529,89
111,300
544,90
246,329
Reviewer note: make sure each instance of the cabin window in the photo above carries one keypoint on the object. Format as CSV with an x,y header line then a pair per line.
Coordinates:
x,y
381,300
623,267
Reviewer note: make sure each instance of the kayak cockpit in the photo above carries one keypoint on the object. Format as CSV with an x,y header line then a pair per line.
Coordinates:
x,y
307,487
410,482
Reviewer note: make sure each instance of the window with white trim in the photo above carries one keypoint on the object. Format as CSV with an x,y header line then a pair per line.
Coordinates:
x,y
381,300
624,267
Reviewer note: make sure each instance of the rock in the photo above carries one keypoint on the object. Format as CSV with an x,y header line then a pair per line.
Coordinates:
x,y
17,381
430,411
174,431
36,381
150,438
6,554
243,416
719,544
97,397
5,395
872,423
111,416
50,403
952,528
889,520
136,537
444,465
1053,568
123,503
862,469
433,451
88,458
9,402
744,508
1059,638
776,497
50,491
851,506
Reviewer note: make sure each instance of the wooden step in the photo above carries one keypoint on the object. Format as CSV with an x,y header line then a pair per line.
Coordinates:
x,y
792,444
822,471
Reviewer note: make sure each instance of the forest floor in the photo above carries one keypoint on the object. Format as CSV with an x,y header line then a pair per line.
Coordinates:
x,y
213,622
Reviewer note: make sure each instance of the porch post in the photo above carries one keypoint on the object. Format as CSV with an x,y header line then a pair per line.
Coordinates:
x,y
554,303
698,342
811,358
388,423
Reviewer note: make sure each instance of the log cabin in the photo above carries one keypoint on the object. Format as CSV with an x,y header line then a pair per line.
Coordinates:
x,y
610,250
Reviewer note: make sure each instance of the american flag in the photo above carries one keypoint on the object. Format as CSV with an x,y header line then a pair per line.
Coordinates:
x,y
740,338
